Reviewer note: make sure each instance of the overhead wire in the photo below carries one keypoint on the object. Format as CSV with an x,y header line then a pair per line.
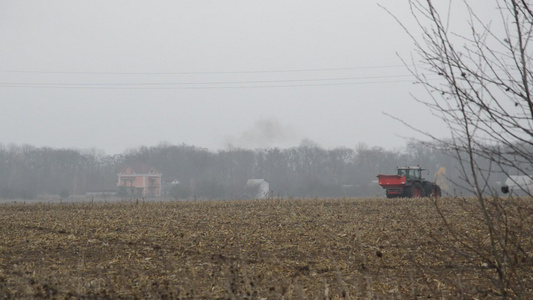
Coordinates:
x,y
217,84
199,88
222,82
203,72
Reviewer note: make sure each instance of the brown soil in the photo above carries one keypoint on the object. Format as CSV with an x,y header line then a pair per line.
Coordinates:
x,y
271,249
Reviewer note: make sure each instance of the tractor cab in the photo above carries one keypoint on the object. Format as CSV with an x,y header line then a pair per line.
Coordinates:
x,y
410,172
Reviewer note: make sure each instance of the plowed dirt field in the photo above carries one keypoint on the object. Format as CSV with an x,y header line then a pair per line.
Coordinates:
x,y
268,249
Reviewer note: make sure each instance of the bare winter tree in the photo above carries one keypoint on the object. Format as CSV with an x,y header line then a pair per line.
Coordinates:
x,y
479,81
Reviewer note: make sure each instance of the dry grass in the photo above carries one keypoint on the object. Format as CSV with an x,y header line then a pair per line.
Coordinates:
x,y
273,249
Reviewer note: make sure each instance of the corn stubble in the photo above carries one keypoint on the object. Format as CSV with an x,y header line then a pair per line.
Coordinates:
x,y
270,249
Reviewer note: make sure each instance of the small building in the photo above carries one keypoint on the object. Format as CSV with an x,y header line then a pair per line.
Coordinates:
x,y
519,185
140,180
258,188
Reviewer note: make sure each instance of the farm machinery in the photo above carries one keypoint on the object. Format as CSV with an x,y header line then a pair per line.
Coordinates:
x,y
408,183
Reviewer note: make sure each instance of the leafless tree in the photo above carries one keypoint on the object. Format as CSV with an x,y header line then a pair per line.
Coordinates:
x,y
479,81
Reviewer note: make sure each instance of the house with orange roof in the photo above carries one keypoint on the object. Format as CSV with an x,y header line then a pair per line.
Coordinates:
x,y
140,180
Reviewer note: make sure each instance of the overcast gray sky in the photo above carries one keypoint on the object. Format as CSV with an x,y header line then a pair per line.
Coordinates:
x,y
114,75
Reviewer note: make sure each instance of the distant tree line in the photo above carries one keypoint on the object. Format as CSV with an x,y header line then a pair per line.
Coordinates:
x,y
304,171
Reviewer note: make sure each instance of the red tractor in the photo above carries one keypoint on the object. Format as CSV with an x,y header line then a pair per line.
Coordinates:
x,y
408,183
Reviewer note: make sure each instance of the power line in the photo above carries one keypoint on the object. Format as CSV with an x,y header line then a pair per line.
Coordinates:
x,y
225,84
205,83
150,87
203,72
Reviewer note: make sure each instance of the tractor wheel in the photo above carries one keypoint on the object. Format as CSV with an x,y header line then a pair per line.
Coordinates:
x,y
417,191
436,191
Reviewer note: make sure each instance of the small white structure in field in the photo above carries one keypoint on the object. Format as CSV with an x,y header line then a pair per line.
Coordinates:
x,y
518,184
258,188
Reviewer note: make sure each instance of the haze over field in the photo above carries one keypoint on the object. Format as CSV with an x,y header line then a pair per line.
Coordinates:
x,y
116,75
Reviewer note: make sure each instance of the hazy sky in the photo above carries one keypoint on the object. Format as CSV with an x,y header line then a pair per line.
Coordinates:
x,y
114,75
